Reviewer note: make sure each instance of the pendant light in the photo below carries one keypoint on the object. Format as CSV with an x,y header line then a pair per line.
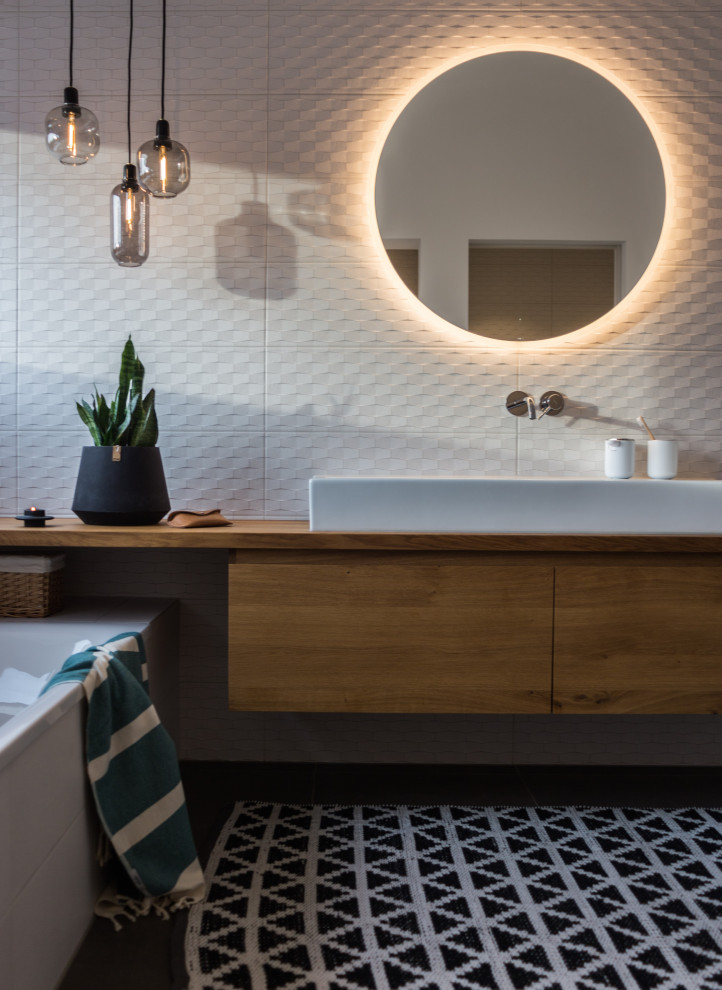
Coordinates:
x,y
164,166
129,204
71,131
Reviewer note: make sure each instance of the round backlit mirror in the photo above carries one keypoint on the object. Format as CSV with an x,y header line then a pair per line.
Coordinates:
x,y
520,195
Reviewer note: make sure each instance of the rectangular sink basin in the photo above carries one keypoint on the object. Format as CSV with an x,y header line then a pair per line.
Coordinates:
x,y
476,504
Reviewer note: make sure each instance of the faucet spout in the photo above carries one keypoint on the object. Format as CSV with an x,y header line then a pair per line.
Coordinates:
x,y
521,403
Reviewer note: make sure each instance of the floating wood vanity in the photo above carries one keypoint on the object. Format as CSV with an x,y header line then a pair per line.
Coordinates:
x,y
433,631
364,622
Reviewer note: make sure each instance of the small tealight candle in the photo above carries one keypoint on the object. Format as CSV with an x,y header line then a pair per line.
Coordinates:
x,y
34,516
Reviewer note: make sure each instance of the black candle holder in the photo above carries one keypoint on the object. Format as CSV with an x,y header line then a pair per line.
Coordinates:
x,y
34,517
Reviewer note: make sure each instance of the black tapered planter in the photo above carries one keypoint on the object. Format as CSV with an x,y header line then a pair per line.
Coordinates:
x,y
127,491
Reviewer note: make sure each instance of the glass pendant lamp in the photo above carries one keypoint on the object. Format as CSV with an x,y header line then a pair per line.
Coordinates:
x,y
164,166
129,203
71,131
129,216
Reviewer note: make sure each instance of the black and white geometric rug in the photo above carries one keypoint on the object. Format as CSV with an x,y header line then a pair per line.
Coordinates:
x,y
460,898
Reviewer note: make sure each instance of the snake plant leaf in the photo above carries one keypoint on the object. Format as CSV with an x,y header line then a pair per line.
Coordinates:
x,y
123,430
136,379
86,414
127,368
118,409
145,433
103,417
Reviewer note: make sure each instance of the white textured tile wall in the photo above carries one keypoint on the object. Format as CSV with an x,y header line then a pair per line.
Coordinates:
x,y
277,341
294,457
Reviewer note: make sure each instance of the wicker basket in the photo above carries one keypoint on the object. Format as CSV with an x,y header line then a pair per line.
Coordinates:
x,y
31,586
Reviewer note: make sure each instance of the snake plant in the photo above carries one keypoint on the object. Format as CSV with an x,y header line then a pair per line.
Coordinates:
x,y
129,420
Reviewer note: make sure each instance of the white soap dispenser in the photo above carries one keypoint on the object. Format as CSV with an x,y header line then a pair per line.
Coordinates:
x,y
619,457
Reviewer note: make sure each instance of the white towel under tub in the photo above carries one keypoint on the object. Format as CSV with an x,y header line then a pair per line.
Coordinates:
x,y
18,689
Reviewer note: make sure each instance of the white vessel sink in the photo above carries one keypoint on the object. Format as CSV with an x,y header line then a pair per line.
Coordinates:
x,y
475,504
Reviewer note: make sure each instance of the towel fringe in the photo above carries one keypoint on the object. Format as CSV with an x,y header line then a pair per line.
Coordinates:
x,y
114,906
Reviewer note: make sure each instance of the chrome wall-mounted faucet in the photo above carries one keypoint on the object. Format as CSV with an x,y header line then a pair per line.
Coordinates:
x,y
522,404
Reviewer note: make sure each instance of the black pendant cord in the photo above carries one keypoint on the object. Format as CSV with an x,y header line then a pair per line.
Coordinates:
x,y
162,70
72,35
130,56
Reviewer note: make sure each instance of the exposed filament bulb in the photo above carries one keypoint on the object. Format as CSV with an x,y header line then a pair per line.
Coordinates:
x,y
163,168
129,221
72,137
71,131
129,207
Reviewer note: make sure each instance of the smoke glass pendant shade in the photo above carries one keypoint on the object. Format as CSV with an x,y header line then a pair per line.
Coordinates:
x,y
164,166
129,221
71,131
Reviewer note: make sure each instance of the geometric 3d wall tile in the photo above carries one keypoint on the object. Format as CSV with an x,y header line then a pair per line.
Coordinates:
x,y
8,472
292,459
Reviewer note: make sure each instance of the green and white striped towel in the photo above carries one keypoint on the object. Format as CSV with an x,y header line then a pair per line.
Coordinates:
x,y
134,775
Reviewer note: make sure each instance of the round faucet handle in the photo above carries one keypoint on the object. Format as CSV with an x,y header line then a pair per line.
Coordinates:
x,y
517,403
551,403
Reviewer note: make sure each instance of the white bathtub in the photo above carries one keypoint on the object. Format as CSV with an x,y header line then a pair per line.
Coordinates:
x,y
48,832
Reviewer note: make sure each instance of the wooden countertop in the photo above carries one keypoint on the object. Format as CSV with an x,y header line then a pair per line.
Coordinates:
x,y
285,534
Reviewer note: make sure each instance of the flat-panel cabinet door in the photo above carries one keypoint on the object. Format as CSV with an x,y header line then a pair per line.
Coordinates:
x,y
644,639
388,633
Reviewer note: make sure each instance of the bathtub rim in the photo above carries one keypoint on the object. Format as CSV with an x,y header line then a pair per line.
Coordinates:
x,y
27,725
123,612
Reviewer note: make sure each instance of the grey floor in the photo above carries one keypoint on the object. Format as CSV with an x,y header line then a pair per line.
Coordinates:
x,y
139,956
